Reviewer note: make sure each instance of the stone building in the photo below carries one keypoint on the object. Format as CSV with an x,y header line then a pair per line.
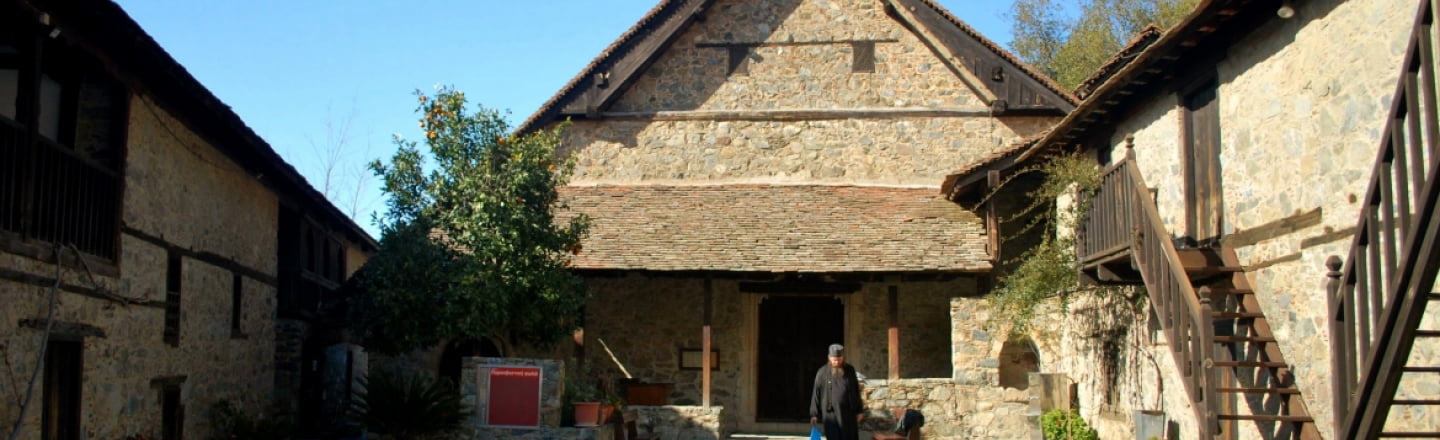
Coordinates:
x,y
763,181
1241,150
156,256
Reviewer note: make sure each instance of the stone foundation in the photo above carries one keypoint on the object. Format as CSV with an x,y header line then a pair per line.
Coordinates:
x,y
680,422
953,410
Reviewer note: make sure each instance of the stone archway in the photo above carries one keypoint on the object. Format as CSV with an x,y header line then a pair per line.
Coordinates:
x,y
1018,358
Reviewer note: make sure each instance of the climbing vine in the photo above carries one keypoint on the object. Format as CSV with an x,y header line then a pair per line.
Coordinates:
x,y
1045,272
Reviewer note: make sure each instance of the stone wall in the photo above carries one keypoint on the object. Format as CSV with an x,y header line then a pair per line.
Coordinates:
x,y
905,151
1108,352
680,422
183,191
952,411
670,421
1302,103
689,118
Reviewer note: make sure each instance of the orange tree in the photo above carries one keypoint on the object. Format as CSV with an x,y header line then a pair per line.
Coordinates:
x,y
470,247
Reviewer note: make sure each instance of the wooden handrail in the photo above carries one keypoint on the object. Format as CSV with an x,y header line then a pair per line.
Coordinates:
x,y
1102,232
1121,211
1378,296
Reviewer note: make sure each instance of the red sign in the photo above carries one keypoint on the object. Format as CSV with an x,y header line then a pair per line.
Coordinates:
x,y
514,396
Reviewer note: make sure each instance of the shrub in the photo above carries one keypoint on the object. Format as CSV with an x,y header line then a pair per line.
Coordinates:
x,y
409,406
1064,424
232,423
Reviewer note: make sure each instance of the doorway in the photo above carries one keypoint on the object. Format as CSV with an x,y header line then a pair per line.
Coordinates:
x,y
64,361
1201,156
794,332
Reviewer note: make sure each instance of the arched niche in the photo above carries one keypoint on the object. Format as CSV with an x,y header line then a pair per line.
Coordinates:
x,y
1018,358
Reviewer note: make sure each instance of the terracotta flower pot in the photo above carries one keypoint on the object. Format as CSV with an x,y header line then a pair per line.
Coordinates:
x,y
592,413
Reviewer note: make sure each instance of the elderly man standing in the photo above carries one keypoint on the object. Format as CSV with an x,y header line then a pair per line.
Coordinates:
x,y
836,398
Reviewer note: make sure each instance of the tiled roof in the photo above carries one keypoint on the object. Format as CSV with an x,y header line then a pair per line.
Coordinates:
x,y
1210,28
1137,44
1007,152
776,228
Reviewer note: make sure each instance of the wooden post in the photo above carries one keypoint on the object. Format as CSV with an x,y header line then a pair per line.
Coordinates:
x,y
894,333
705,349
992,216
1339,358
1207,375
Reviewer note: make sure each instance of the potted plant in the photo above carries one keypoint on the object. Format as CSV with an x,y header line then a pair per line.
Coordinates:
x,y
610,400
583,395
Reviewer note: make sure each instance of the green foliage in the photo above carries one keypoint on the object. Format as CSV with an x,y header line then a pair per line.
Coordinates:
x,y
1070,48
580,383
470,246
232,423
1047,270
409,406
1064,424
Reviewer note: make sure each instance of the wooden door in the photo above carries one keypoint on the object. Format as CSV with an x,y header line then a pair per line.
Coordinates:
x,y
63,364
1201,156
794,334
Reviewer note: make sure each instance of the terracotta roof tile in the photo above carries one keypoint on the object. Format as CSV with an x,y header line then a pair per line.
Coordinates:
x,y
1137,44
776,228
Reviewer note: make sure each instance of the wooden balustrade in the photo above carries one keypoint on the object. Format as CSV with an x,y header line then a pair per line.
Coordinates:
x,y
1122,218
51,193
1379,294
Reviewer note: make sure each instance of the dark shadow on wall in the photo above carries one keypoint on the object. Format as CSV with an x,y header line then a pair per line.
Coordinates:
x,y
456,351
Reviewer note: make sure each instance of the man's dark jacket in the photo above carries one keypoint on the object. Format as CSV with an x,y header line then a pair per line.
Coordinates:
x,y
847,406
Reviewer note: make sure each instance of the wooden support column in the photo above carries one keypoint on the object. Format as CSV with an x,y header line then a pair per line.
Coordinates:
x,y
894,333
705,360
992,216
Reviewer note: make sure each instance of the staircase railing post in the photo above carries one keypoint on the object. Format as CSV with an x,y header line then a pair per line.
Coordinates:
x,y
1340,383
1205,327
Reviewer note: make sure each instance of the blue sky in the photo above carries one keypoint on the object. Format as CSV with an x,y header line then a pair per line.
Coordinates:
x,y
316,78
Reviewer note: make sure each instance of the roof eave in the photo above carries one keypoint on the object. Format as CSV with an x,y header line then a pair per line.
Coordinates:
x,y
1201,29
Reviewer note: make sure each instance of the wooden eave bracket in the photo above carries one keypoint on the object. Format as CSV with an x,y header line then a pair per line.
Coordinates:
x,y
1003,71
603,85
906,14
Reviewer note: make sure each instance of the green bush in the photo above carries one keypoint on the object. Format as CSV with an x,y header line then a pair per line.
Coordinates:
x,y
232,423
409,406
1064,424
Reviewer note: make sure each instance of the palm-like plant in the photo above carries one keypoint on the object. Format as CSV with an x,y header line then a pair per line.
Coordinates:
x,y
409,405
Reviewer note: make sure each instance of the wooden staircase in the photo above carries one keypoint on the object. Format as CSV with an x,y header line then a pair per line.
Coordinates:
x,y
1230,364
1255,383
1379,296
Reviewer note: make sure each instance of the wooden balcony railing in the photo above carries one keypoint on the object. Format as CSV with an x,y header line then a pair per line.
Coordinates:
x,y
1107,234
1380,294
1121,218
52,194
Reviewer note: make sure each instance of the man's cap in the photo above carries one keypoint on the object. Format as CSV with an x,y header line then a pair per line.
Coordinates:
x,y
837,350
